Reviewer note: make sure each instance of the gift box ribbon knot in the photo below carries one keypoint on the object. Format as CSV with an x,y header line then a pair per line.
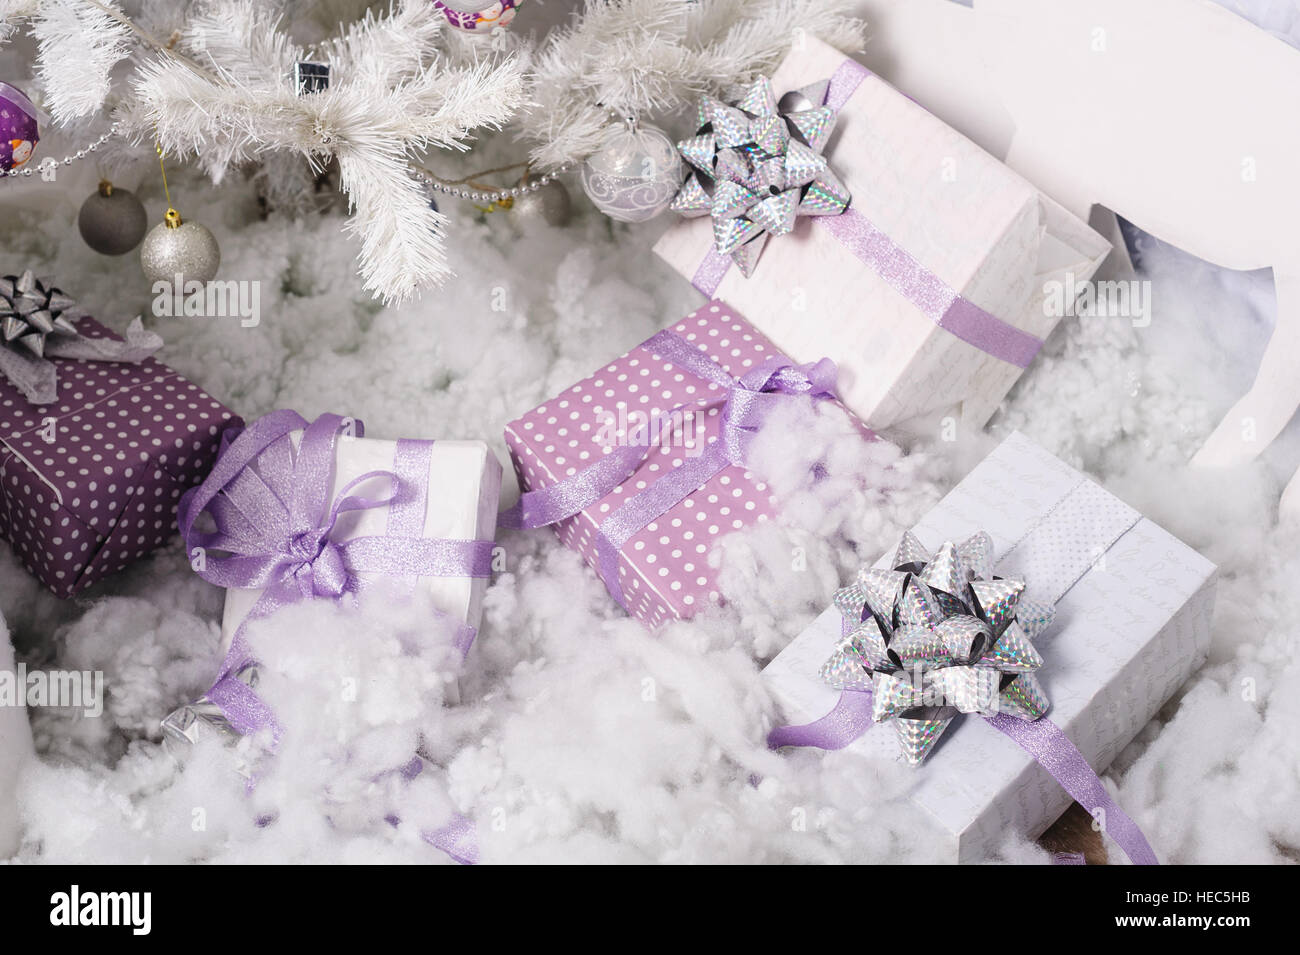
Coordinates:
x,y
747,401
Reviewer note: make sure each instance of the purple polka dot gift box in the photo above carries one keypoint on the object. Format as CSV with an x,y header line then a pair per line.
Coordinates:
x,y
643,465
90,482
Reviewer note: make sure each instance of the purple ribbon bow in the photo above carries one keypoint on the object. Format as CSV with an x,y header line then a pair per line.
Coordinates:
x,y
747,401
275,530
881,607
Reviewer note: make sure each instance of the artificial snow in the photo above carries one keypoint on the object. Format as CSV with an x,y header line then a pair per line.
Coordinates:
x,y
580,736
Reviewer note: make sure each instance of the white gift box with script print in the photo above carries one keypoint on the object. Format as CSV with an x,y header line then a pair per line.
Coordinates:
x,y
979,227
1125,637
16,748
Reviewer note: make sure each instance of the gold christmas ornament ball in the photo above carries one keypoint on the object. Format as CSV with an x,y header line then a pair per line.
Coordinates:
x,y
179,248
112,221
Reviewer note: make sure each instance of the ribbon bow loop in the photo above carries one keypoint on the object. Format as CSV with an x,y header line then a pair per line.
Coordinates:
x,y
320,566
753,395
775,375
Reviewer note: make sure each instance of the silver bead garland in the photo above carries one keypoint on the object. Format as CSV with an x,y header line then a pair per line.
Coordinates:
x,y
68,159
457,190
478,195
449,188
460,191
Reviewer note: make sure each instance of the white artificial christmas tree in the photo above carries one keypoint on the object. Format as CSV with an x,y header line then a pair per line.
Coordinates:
x,y
213,82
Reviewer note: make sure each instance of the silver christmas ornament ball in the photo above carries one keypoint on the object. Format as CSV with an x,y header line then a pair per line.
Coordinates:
x,y
634,174
112,220
179,248
548,203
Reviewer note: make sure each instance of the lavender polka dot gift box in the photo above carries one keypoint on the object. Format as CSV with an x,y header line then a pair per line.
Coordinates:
x,y
643,465
90,482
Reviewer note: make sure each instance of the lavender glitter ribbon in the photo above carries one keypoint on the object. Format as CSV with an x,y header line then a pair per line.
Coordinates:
x,y
1042,739
274,524
457,837
747,401
928,293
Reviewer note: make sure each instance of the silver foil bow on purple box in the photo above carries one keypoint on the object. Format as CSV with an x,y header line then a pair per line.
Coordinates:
x,y
937,636
37,324
757,166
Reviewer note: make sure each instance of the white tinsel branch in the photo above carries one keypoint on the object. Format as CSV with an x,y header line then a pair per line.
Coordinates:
x,y
79,43
219,88
242,41
644,57
11,12
388,100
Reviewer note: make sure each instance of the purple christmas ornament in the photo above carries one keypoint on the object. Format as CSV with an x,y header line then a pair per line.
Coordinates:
x,y
479,16
18,128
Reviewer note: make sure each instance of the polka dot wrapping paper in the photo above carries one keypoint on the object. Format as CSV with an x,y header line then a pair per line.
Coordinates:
x,y
90,483
664,568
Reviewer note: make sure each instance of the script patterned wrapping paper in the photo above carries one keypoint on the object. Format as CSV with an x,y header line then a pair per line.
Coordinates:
x,y
664,568
979,227
15,749
90,483
1125,637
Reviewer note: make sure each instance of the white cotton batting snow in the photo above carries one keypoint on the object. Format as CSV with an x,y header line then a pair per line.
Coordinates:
x,y
580,736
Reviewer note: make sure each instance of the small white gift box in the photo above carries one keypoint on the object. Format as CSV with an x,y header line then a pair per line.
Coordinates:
x,y
15,743
464,489
1127,633
848,286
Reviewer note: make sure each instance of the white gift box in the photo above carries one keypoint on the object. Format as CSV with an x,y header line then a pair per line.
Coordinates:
x,y
1126,635
15,746
980,228
464,490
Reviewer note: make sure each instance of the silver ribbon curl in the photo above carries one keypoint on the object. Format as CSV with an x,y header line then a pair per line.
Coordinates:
x,y
757,166
936,636
36,325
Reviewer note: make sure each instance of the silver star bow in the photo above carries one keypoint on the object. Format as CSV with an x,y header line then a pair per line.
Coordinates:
x,y
183,728
758,165
31,311
36,325
937,636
